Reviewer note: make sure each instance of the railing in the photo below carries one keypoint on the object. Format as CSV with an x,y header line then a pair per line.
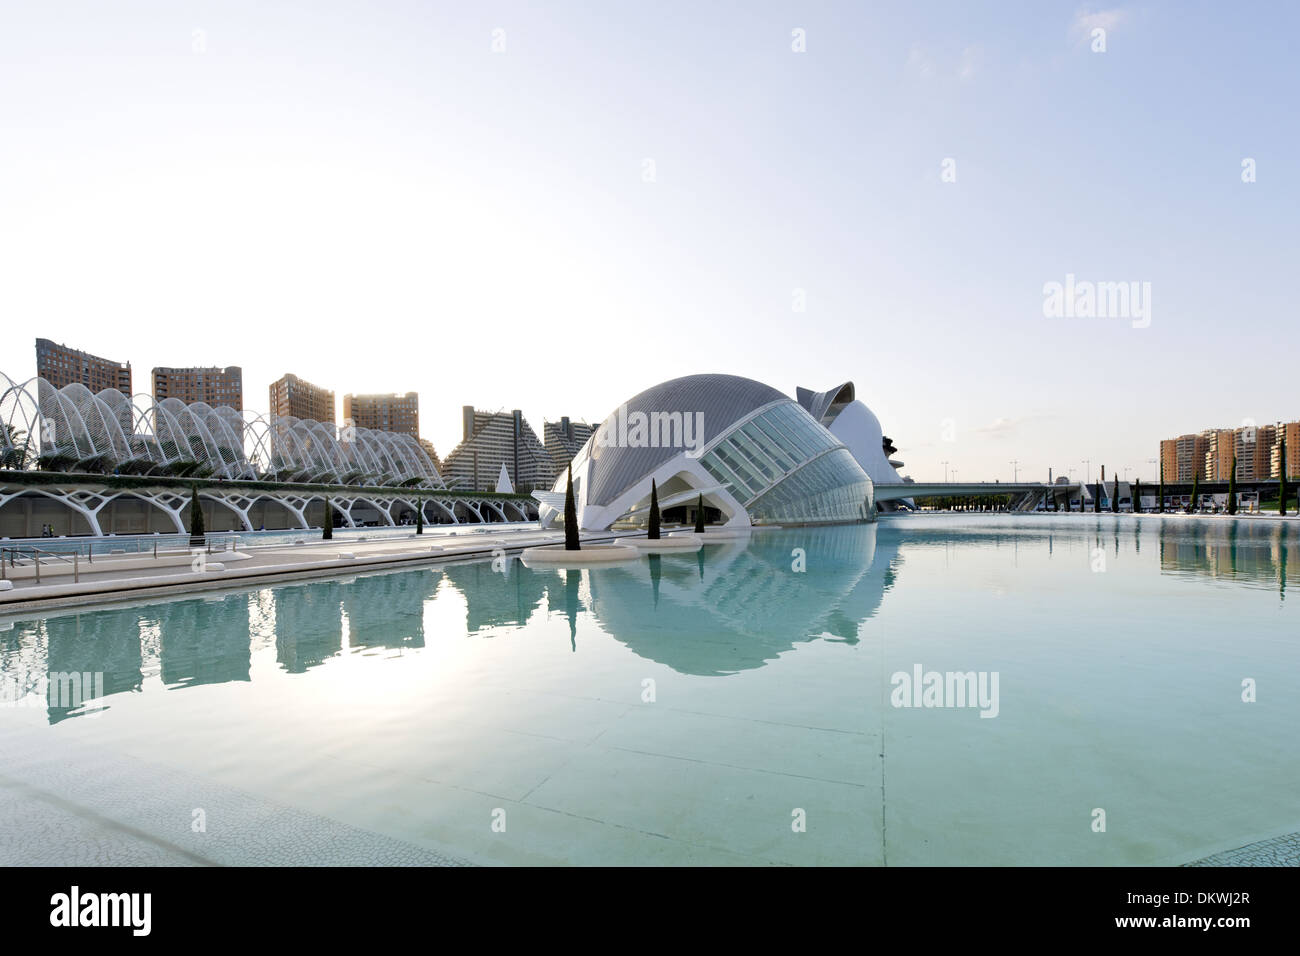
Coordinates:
x,y
24,556
12,554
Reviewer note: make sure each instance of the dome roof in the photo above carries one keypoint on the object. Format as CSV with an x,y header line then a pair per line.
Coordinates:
x,y
720,399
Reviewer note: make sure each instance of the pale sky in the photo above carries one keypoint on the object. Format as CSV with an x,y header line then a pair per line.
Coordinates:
x,y
367,195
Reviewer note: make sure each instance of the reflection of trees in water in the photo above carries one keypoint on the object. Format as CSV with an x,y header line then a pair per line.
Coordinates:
x,y
308,624
1249,552
499,599
387,610
204,641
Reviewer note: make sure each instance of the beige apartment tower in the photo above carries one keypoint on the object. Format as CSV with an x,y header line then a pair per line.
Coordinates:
x,y
61,366
296,397
384,413
1183,458
213,386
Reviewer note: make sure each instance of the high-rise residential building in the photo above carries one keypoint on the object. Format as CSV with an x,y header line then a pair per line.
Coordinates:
x,y
1183,458
384,413
1254,447
213,386
493,439
564,439
291,395
1220,450
1250,447
429,450
62,366
1291,431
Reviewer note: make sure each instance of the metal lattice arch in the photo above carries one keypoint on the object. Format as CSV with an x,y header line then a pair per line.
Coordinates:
x,y
73,429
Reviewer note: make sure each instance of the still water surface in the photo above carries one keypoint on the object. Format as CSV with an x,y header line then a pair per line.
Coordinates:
x,y
733,706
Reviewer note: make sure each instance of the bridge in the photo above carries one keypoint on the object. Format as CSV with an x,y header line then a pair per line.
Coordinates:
x,y
1026,494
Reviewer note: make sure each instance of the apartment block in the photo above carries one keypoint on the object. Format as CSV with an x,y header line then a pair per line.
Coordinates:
x,y
293,396
1291,432
384,413
564,439
1183,458
61,365
493,439
211,385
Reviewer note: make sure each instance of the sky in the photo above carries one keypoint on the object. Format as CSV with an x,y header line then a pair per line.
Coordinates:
x,y
554,206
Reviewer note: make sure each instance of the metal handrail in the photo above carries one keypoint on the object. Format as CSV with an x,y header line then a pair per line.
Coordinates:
x,y
35,554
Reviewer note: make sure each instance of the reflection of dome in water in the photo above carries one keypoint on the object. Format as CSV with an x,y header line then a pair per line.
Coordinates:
x,y
750,607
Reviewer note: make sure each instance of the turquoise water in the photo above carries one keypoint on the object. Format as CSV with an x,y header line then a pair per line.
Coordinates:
x,y
700,708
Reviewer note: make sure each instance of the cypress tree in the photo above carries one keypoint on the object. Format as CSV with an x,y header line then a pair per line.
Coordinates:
x,y
654,512
1232,487
1281,478
1191,505
327,531
1136,491
1096,501
1114,497
1160,497
699,515
196,517
570,516
419,517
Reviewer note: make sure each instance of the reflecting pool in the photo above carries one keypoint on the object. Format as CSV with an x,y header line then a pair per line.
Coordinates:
x,y
921,690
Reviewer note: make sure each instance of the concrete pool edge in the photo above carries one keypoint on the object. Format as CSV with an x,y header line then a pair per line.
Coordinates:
x,y
133,590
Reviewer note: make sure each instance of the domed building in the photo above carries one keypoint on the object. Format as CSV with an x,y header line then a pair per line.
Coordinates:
x,y
756,455
858,427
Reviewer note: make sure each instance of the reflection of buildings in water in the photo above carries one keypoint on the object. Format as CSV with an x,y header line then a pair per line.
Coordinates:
x,y
499,599
106,642
387,610
308,624
746,604
204,641
1245,551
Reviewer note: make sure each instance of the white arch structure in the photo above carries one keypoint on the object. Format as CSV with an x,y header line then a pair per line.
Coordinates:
x,y
88,499
73,429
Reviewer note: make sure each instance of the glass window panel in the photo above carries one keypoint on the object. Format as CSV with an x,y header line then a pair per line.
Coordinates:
x,y
754,456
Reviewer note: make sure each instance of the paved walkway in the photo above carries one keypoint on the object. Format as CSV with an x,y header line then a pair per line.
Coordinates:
x,y
1279,851
99,583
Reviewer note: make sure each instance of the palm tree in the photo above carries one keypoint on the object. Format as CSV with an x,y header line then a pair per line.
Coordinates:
x,y
13,447
654,512
570,516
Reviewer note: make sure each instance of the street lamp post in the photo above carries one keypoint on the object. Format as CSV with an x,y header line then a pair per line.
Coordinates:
x,y
945,471
1015,470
